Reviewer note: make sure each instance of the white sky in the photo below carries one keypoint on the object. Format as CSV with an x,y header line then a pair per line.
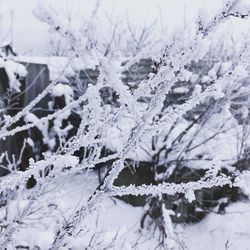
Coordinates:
x,y
29,34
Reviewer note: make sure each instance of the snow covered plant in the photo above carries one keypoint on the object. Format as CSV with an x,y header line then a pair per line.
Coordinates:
x,y
144,124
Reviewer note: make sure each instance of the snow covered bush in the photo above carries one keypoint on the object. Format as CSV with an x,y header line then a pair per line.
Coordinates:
x,y
177,120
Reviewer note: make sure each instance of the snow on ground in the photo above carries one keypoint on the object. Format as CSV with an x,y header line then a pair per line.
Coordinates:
x,y
228,231
117,224
116,219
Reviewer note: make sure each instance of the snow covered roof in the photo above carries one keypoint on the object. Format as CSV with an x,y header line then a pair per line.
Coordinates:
x,y
59,67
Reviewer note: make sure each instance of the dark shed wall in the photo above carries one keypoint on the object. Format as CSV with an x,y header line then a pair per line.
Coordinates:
x,y
36,80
